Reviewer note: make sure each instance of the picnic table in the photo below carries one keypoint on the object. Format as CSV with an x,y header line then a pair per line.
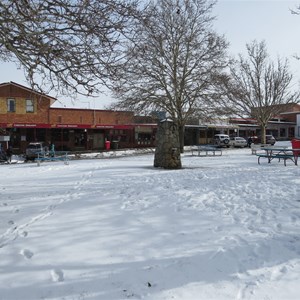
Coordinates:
x,y
53,156
280,153
205,150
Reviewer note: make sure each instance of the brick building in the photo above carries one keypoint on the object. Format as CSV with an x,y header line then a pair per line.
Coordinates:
x,y
27,116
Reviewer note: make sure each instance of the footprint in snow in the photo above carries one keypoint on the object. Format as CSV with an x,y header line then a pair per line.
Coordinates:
x,y
26,253
277,273
57,275
218,228
23,233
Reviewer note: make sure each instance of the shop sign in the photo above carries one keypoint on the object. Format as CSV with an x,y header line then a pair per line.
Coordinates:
x,y
144,129
72,126
105,126
19,125
29,125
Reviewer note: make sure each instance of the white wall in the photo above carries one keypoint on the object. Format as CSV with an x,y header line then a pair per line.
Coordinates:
x,y
297,131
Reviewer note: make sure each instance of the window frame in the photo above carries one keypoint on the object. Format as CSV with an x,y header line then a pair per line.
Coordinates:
x,y
29,107
9,106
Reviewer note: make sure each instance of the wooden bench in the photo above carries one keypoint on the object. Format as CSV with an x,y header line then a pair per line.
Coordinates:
x,y
257,147
204,150
56,156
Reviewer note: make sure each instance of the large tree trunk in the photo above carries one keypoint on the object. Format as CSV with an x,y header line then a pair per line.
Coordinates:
x,y
181,137
167,152
263,133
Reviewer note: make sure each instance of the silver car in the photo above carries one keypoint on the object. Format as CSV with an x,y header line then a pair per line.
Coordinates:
x,y
33,150
270,139
238,142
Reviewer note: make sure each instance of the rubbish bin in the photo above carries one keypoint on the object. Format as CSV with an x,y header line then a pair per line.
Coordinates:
x,y
107,145
114,145
296,145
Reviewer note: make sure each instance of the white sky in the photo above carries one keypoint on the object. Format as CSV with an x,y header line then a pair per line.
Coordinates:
x,y
241,21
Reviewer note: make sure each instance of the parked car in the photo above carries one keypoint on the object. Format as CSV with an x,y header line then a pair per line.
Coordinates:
x,y
221,140
238,142
33,150
269,139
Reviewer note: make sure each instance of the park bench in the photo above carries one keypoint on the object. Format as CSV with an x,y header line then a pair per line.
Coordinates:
x,y
55,156
205,150
257,147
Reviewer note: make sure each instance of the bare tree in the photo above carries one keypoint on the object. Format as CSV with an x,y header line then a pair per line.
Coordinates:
x,y
257,87
171,61
66,45
296,10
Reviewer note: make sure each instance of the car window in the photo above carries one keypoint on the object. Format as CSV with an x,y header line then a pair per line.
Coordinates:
x,y
32,147
35,146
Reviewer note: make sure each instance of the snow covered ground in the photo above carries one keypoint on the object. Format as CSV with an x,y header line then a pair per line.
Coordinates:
x,y
116,228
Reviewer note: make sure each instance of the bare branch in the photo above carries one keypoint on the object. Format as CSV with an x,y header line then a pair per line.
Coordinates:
x,y
171,60
257,87
296,10
70,45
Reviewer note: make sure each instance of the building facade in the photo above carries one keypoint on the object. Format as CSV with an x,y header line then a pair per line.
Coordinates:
x,y
27,116
285,126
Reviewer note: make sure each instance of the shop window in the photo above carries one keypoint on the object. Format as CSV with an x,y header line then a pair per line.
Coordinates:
x,y
282,132
11,105
15,138
29,105
41,134
144,138
30,135
60,135
80,138
291,132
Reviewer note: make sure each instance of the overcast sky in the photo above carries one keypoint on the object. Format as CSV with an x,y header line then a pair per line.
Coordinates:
x,y
241,21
